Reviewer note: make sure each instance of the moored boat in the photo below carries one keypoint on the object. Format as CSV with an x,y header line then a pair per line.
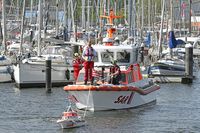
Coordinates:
x,y
5,69
61,58
167,67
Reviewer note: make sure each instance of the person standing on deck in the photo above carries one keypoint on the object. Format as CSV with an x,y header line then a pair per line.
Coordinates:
x,y
88,55
115,74
77,65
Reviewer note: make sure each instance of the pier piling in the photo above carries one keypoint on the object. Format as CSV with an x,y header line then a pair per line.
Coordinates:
x,y
141,54
48,75
31,35
188,64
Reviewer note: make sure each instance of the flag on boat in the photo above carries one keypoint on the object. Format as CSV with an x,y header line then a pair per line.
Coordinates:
x,y
183,7
172,40
96,73
148,39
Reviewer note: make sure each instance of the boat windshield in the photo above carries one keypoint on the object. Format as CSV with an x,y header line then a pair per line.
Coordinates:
x,y
123,56
107,57
58,51
97,77
196,44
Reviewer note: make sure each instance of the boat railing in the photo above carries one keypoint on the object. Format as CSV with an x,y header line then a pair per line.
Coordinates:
x,y
102,75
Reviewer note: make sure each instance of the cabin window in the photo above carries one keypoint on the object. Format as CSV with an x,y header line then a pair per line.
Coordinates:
x,y
123,57
66,53
107,56
197,44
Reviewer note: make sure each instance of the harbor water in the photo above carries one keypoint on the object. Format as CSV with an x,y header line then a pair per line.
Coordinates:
x,y
34,111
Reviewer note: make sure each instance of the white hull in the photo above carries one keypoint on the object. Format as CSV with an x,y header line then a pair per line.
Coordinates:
x,y
5,78
71,123
5,69
168,67
33,75
4,75
163,72
166,72
109,100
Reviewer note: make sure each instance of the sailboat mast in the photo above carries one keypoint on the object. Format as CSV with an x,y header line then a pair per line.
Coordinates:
x,y
171,14
190,13
130,17
108,2
88,15
57,21
171,23
18,6
142,15
65,37
22,28
180,17
97,12
45,18
83,14
161,29
72,17
31,12
115,4
39,27
125,9
4,25
142,21
134,21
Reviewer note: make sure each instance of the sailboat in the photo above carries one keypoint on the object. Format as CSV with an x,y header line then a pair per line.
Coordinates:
x,y
5,62
167,66
5,69
30,72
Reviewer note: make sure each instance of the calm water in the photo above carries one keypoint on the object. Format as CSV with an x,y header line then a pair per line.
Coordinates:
x,y
33,111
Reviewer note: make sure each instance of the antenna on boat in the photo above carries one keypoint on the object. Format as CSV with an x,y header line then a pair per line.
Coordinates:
x,y
110,19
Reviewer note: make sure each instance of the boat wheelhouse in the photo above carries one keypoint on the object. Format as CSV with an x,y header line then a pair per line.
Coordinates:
x,y
124,54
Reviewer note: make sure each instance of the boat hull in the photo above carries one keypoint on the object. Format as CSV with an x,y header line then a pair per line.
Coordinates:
x,y
5,78
165,72
5,75
71,123
29,75
111,100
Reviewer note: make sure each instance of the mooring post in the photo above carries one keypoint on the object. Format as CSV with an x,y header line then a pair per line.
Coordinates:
x,y
102,74
48,74
31,35
188,64
142,53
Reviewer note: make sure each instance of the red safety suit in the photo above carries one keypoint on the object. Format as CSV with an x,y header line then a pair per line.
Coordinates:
x,y
77,65
88,55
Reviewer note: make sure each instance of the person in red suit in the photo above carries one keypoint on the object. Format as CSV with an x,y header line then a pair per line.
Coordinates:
x,y
77,65
88,55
